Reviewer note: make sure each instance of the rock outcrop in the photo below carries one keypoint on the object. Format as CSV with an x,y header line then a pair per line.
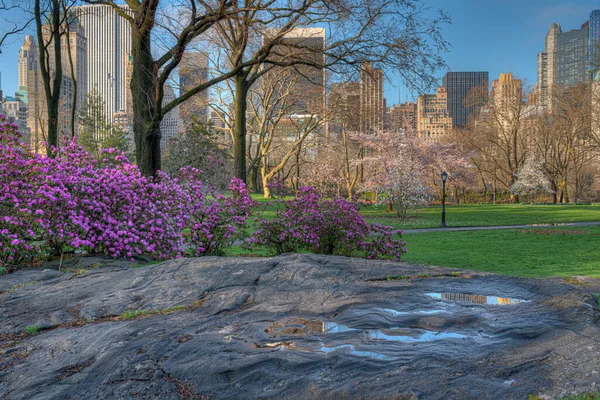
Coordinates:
x,y
293,326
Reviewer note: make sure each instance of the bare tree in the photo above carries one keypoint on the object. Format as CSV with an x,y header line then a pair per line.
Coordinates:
x,y
177,25
8,26
393,34
48,21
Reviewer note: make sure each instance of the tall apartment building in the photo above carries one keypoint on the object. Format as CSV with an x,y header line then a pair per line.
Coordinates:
x,y
193,71
372,103
433,119
75,44
572,56
466,91
403,117
507,99
344,105
567,57
27,76
171,123
308,94
594,42
27,60
108,47
547,65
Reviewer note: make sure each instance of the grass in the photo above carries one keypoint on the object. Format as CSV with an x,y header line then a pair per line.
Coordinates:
x,y
536,252
32,329
467,214
526,253
485,215
134,314
20,286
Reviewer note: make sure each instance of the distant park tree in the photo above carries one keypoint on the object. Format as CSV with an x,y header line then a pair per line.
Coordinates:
x,y
95,130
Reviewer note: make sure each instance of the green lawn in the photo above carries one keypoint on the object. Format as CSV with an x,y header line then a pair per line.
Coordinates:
x,y
486,214
528,253
556,251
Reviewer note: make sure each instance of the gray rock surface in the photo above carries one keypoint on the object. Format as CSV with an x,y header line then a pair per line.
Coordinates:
x,y
293,327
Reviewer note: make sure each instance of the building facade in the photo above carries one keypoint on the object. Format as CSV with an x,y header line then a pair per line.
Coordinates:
x,y
73,48
433,119
170,126
572,56
547,65
466,92
108,47
193,71
403,117
594,43
372,103
27,60
344,105
308,94
507,101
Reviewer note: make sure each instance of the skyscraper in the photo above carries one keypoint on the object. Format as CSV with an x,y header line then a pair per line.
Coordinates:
x,y
193,71
372,107
309,88
507,99
465,91
27,60
594,40
433,119
547,66
109,45
572,56
344,104
171,123
73,48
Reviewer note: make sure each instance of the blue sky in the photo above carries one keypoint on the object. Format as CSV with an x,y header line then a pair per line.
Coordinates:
x,y
500,35
486,35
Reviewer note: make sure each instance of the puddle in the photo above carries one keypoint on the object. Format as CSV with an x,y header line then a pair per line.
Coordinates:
x,y
476,298
411,335
378,339
396,312
332,327
298,327
353,351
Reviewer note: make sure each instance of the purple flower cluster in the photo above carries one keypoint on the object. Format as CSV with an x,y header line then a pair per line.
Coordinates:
x,y
312,223
75,201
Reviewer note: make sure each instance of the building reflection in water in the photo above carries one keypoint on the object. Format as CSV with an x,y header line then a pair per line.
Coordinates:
x,y
475,298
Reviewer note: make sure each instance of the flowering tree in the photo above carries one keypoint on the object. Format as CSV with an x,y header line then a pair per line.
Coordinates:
x,y
531,179
395,170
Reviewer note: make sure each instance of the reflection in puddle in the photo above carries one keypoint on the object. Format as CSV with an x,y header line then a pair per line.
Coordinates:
x,y
353,351
396,312
296,327
370,338
411,335
332,327
476,298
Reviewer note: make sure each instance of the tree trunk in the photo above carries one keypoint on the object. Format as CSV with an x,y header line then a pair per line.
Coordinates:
x,y
52,91
254,179
265,181
146,124
239,140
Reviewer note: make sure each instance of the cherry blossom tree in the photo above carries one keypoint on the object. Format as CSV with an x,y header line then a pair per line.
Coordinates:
x,y
531,179
395,170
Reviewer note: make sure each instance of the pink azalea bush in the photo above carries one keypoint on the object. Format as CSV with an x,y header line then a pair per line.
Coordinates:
x,y
75,201
312,223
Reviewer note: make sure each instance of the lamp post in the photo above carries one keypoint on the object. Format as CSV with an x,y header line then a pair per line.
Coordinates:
x,y
444,177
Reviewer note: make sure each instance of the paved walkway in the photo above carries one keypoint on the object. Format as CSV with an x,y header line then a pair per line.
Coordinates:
x,y
497,227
